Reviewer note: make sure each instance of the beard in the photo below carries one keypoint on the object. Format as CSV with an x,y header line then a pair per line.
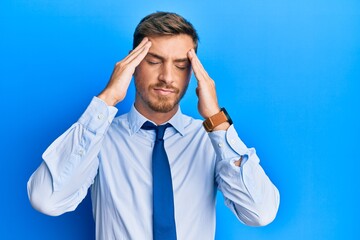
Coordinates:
x,y
158,103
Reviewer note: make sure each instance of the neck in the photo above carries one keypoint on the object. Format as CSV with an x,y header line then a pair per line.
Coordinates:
x,y
155,116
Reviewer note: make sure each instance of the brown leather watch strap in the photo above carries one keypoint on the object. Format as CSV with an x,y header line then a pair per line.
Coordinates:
x,y
217,119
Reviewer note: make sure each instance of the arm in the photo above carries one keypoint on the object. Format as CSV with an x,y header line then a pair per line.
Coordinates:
x,y
70,163
206,92
247,190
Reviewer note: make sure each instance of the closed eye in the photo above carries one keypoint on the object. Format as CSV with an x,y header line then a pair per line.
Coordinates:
x,y
152,62
182,67
182,64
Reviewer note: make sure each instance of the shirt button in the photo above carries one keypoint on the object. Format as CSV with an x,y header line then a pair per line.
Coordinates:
x,y
100,116
220,145
81,152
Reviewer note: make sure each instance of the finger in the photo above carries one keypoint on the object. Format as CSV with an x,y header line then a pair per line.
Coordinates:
x,y
136,51
199,70
141,44
141,55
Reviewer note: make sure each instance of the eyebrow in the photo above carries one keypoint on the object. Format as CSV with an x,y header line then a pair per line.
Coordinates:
x,y
162,58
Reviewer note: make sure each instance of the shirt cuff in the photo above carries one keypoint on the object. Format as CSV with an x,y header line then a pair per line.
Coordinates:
x,y
228,145
98,116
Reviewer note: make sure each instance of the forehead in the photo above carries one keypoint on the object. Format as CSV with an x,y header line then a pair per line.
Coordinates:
x,y
172,46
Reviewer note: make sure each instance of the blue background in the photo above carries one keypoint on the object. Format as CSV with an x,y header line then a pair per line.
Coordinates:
x,y
287,71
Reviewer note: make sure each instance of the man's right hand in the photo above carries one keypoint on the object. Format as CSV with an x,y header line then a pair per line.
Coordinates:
x,y
117,87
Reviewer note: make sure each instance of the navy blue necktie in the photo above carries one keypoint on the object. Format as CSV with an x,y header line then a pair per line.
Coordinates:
x,y
163,199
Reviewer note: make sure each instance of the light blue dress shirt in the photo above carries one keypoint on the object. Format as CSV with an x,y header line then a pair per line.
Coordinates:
x,y
112,156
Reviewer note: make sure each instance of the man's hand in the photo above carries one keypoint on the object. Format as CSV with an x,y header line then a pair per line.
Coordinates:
x,y
117,87
206,92
207,104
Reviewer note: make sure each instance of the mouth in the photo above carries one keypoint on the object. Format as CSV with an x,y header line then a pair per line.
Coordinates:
x,y
164,91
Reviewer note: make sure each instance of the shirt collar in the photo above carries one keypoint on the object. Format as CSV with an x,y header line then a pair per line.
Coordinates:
x,y
136,120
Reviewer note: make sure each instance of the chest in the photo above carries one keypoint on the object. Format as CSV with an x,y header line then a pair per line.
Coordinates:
x,y
125,165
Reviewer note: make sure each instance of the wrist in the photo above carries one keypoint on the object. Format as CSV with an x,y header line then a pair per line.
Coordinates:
x,y
219,121
222,126
108,98
212,112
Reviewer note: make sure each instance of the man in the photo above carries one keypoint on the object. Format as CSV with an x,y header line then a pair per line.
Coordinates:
x,y
134,198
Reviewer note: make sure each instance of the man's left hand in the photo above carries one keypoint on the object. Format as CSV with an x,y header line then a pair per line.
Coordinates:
x,y
206,92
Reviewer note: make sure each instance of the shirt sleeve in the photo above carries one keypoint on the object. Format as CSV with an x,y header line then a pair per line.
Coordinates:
x,y
70,162
247,190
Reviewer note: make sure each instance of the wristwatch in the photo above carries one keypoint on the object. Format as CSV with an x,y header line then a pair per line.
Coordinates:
x,y
217,119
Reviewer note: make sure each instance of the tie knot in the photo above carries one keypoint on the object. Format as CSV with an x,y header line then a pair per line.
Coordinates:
x,y
159,130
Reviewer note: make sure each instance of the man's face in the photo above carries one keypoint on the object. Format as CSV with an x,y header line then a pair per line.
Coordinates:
x,y
161,79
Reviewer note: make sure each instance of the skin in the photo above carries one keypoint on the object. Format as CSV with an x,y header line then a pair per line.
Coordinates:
x,y
161,79
161,66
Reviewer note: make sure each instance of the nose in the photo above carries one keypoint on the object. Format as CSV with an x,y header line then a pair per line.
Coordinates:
x,y
166,74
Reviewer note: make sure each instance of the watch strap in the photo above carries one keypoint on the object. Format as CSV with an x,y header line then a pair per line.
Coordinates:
x,y
217,119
